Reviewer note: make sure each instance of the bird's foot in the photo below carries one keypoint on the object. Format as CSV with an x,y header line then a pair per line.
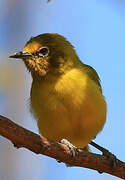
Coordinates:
x,y
72,148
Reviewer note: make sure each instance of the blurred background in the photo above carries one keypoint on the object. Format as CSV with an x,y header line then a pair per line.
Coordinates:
x,y
97,30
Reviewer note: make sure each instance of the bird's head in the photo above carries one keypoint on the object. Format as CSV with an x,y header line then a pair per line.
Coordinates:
x,y
47,54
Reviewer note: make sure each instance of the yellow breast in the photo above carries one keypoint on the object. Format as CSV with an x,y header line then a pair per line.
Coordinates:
x,y
70,107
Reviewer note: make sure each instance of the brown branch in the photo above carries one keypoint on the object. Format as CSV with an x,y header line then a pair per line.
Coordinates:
x,y
22,137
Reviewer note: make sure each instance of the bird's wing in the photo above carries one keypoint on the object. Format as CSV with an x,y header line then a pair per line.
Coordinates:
x,y
93,75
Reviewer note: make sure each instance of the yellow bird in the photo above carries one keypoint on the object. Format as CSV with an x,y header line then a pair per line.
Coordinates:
x,y
66,96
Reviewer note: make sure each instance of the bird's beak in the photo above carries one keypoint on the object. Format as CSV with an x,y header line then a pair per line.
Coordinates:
x,y
21,55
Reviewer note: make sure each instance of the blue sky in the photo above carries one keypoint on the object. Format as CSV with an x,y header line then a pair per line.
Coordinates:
x,y
97,30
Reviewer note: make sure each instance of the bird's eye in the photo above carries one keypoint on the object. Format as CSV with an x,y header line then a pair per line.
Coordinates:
x,y
44,51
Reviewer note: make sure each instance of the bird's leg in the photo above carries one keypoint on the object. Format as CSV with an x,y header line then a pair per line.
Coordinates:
x,y
106,153
70,146
86,148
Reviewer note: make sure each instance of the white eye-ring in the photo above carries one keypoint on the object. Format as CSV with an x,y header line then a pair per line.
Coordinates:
x,y
43,52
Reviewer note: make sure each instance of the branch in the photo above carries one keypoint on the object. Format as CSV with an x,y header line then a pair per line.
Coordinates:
x,y
22,137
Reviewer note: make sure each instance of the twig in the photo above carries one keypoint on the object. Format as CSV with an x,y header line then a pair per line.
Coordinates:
x,y
22,137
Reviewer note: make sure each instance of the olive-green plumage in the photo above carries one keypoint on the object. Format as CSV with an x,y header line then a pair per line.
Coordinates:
x,y
66,95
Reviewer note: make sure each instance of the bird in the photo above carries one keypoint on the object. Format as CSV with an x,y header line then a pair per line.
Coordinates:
x,y
66,95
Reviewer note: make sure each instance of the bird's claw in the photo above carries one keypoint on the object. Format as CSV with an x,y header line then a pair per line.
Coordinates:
x,y
72,148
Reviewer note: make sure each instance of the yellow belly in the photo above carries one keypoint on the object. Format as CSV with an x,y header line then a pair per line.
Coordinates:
x,y
71,107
